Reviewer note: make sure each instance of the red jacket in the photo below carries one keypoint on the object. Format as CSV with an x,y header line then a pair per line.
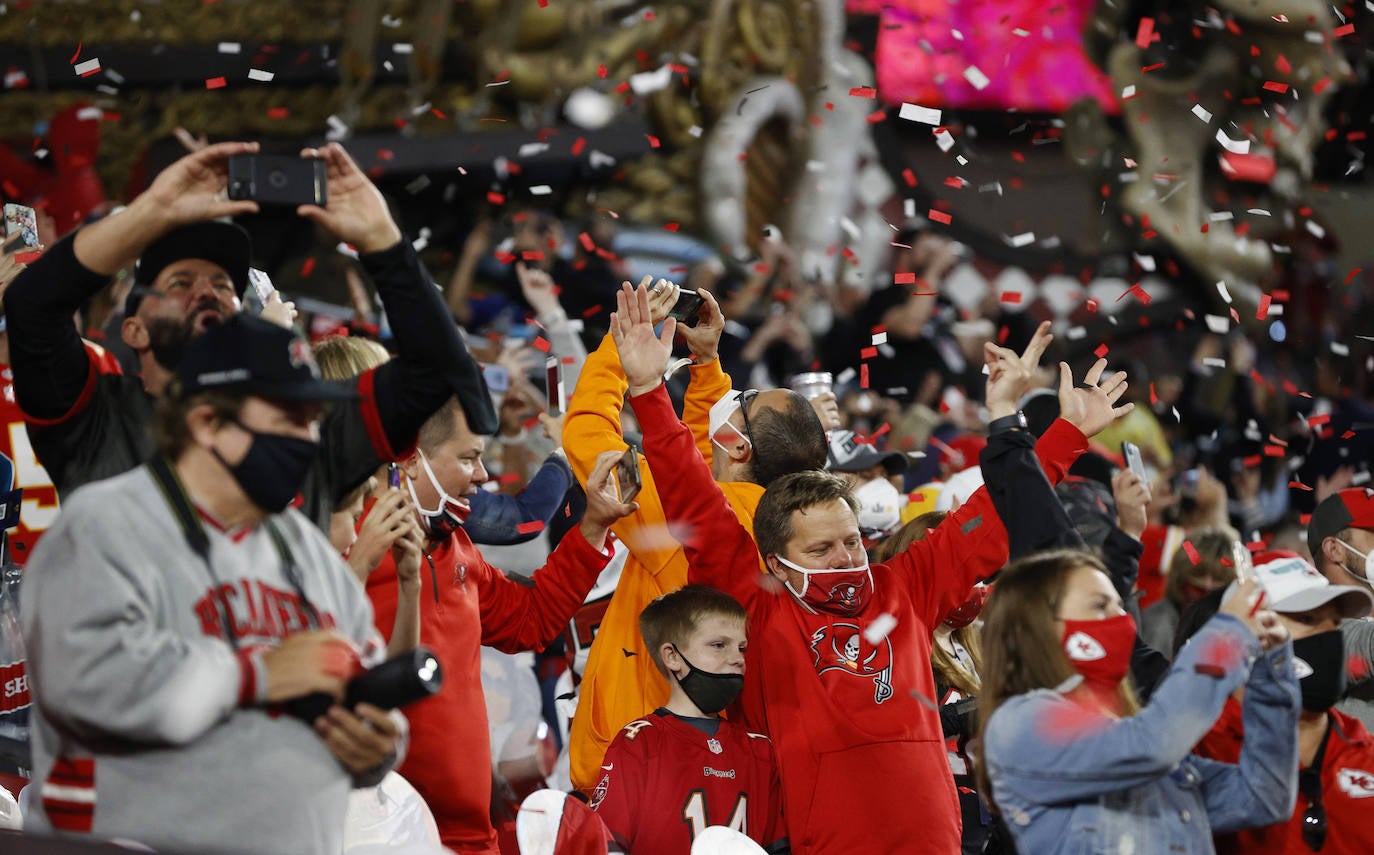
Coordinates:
x,y
1347,786
466,603
857,733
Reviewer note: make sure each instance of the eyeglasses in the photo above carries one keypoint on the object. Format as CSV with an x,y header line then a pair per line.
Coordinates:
x,y
1314,818
744,399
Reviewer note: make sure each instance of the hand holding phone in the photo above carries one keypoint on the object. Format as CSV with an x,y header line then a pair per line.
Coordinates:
x,y
278,180
687,309
628,479
1134,461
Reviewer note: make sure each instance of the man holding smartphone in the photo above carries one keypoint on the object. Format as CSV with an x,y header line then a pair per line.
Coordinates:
x,y
87,423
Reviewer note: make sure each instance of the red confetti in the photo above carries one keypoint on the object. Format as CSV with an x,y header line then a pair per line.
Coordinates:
x,y
875,117
864,92
1146,33
277,112
533,525
1275,86
1351,275
868,353
1298,485
1343,30
586,241
72,61
1263,311
1101,351
1318,421
27,257
863,375
653,141
904,279
215,83
496,198
1357,667
671,227
601,71
1013,297
1321,86
1191,552
939,216
308,267
578,145
909,177
541,344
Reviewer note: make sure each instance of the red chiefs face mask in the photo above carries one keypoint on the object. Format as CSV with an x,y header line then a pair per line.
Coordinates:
x,y
1100,650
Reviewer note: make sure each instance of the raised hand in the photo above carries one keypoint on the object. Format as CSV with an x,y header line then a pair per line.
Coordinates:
x,y
662,297
1091,405
643,355
1132,497
538,288
193,188
385,523
355,211
603,502
1010,374
703,340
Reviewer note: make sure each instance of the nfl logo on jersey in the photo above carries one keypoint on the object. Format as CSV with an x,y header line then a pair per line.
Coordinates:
x,y
714,745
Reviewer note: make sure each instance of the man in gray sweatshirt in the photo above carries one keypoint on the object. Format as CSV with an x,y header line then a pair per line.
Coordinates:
x,y
1340,536
173,609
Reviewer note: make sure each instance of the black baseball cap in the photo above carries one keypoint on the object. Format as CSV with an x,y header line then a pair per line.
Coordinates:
x,y
847,454
1350,508
255,357
225,244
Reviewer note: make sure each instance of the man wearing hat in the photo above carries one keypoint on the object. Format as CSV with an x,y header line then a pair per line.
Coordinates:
x,y
1336,751
173,609
86,424
1340,536
874,477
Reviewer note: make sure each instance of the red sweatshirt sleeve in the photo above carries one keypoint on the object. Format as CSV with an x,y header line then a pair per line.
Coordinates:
x,y
971,544
720,551
518,617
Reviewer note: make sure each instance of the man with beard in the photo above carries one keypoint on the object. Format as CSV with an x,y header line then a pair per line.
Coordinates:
x,y
86,424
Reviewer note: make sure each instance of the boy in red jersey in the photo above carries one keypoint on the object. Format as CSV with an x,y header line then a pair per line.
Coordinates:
x,y
670,775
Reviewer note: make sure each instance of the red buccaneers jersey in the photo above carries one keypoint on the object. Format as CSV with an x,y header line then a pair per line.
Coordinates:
x,y
19,466
663,781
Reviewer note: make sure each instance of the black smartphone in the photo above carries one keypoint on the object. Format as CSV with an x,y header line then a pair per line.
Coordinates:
x,y
687,309
1134,461
278,179
627,477
557,396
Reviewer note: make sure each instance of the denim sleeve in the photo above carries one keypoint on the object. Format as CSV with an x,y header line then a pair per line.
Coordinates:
x,y
500,520
1043,748
1263,787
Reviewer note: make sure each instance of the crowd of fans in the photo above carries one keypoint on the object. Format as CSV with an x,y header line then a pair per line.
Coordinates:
x,y
834,568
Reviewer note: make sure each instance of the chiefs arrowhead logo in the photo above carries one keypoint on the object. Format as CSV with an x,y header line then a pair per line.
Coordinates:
x,y
1356,783
1301,668
1082,647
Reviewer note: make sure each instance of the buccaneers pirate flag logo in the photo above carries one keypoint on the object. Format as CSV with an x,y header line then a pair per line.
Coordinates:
x,y
842,647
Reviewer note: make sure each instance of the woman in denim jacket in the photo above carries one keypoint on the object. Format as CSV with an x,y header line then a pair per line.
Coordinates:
x,y
1071,761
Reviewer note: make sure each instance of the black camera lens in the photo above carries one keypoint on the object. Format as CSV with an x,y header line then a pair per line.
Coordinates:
x,y
276,179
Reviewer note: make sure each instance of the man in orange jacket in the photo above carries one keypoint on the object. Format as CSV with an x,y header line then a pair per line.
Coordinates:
x,y
621,683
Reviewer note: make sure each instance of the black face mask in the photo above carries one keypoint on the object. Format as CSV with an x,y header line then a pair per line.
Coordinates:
x,y
710,692
274,469
1324,656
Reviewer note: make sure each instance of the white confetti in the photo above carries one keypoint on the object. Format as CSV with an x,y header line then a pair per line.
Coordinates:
x,y
1340,348
1128,92
1202,113
1219,216
1218,324
1225,295
976,78
1146,262
1023,239
599,159
259,74
540,190
944,139
879,338
649,82
1316,230
90,114
695,131
531,149
230,47
403,47
880,628
90,66
917,113
1075,333
845,376
1213,362
1233,146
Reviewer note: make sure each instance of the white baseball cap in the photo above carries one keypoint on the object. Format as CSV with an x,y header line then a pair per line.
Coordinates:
x,y
1293,585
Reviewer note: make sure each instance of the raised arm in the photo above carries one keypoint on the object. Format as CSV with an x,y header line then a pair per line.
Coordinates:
x,y
51,367
718,548
519,617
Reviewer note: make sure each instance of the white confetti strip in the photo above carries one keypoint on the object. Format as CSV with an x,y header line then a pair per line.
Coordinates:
x,y
976,78
1218,324
1225,295
880,628
1220,216
1213,362
1316,230
944,139
649,82
90,114
90,66
230,47
1128,92
1340,348
917,113
403,47
541,190
259,74
1233,146
1146,262
531,149
879,338
1023,239
1202,113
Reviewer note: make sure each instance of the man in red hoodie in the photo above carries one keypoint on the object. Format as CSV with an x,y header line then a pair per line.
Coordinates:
x,y
840,659
470,603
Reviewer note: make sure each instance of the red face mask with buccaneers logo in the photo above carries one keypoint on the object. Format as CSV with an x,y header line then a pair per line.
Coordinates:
x,y
1100,650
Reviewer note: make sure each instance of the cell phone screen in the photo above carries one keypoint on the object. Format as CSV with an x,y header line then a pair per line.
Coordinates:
x,y
627,477
393,476
557,396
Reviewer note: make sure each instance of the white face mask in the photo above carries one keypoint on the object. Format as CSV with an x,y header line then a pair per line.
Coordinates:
x,y
451,511
719,418
1368,563
880,507
843,591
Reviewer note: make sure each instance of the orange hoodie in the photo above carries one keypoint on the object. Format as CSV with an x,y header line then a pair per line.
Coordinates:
x,y
621,683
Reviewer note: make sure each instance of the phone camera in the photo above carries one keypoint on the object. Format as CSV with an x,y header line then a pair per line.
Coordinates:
x,y
276,179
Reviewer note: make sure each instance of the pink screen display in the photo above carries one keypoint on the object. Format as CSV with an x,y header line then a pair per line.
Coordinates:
x,y
987,54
